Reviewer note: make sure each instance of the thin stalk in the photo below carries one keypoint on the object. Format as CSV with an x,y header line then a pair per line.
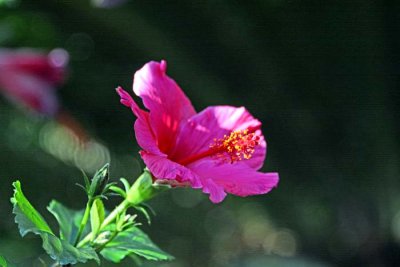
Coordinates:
x,y
115,233
84,220
110,218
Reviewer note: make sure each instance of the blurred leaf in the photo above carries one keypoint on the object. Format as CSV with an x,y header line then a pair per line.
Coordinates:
x,y
29,220
134,241
67,219
97,214
136,259
9,3
4,262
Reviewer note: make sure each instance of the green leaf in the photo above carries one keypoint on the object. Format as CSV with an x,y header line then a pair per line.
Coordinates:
x,y
86,181
34,219
67,219
97,214
29,220
118,190
145,213
126,184
65,253
133,241
4,262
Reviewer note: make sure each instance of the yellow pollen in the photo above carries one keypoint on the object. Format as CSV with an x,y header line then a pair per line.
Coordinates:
x,y
236,146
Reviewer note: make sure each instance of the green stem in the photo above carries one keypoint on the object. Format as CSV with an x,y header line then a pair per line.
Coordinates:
x,y
141,190
115,233
110,218
84,220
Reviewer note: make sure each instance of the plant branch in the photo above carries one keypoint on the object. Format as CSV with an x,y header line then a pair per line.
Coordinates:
x,y
110,218
115,233
84,220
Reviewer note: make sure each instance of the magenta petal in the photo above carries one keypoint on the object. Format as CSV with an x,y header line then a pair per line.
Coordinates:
x,y
145,138
168,105
200,131
49,68
163,168
128,101
143,131
237,178
29,91
217,193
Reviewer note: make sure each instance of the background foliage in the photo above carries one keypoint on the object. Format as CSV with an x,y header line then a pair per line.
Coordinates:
x,y
321,76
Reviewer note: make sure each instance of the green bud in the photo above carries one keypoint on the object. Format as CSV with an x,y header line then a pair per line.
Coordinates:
x,y
99,181
143,189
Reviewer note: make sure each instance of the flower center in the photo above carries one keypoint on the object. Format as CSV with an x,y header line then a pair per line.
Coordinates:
x,y
236,146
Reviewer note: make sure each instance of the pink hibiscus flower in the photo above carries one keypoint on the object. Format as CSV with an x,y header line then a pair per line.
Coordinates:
x,y
219,149
29,78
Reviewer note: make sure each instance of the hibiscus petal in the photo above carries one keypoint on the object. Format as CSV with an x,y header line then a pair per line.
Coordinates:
x,y
217,193
143,132
50,68
168,105
163,168
200,131
29,91
238,178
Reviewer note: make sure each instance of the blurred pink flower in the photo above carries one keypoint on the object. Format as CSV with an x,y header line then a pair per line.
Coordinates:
x,y
219,149
28,78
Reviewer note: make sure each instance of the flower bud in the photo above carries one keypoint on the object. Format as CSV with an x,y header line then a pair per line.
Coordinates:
x,y
99,181
143,189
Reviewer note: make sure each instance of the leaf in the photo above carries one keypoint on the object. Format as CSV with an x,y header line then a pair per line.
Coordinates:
x,y
4,262
29,220
67,219
133,240
86,181
65,253
97,214
118,190
34,219
145,213
126,184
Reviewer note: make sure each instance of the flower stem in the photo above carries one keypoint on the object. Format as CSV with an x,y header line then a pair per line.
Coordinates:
x,y
115,233
84,220
110,218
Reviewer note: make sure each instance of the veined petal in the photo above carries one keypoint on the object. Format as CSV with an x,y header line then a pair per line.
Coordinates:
x,y
143,132
163,168
237,178
200,131
168,105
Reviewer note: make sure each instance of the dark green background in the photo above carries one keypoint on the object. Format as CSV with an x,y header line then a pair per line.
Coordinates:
x,y
322,76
